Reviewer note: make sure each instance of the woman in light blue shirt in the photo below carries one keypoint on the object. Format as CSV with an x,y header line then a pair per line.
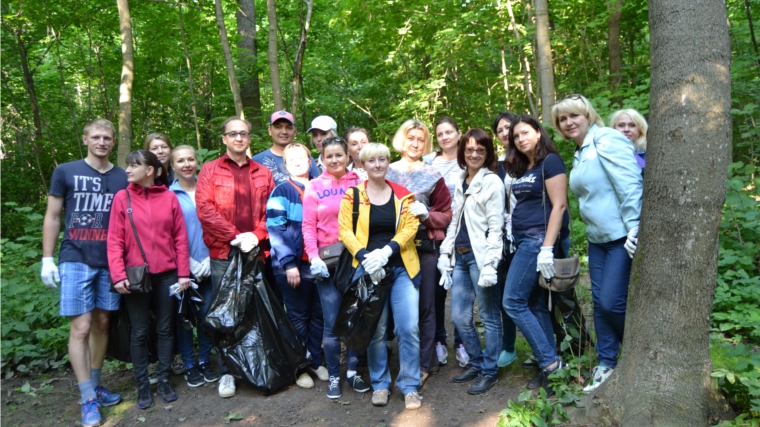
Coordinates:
x,y
607,181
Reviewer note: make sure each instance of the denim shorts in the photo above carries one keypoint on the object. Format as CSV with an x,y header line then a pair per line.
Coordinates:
x,y
84,288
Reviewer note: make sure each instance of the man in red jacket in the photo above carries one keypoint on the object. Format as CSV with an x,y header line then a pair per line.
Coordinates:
x,y
231,197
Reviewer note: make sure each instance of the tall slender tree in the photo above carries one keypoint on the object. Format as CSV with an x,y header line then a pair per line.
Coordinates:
x,y
615,10
190,85
127,77
274,63
298,63
234,87
545,62
250,90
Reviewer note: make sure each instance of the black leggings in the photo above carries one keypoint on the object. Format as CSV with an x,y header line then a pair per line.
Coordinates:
x,y
139,308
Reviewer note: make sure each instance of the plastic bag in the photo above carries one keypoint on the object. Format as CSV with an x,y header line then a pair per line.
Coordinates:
x,y
120,336
360,310
262,346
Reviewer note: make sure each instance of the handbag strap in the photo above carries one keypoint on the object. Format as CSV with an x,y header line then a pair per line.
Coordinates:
x,y
355,212
300,192
543,203
134,229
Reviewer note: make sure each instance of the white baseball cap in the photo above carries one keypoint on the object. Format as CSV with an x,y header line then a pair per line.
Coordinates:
x,y
323,123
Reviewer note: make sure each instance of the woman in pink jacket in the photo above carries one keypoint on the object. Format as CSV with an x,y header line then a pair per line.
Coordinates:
x,y
160,225
321,205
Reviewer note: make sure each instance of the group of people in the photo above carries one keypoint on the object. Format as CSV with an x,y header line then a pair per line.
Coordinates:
x,y
460,218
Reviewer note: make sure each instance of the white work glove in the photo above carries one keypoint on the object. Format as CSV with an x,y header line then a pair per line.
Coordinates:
x,y
508,232
419,210
49,273
444,266
200,270
245,241
545,263
319,269
487,276
378,275
630,243
372,262
176,291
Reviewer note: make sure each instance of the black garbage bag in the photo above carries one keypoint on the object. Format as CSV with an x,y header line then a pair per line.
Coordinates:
x,y
262,346
120,336
568,320
190,303
360,310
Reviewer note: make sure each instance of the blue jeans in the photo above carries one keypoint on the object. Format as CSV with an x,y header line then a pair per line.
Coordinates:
x,y
610,269
304,310
464,290
185,337
508,328
404,298
331,299
525,301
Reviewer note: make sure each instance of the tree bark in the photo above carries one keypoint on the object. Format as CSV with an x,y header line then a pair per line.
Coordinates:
x,y
664,377
545,62
190,78
250,90
125,89
615,9
274,65
298,63
524,60
234,87
29,84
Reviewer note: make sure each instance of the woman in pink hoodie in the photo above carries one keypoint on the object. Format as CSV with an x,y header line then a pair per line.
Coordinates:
x,y
321,205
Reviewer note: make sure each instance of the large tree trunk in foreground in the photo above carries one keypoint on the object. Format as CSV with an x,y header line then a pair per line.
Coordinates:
x,y
545,62
274,64
125,89
664,376
250,91
234,87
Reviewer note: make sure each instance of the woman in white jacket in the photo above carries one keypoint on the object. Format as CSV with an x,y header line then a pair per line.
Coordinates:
x,y
479,202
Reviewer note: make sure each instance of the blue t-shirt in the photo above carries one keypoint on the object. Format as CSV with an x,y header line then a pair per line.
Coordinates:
x,y
88,195
276,164
528,215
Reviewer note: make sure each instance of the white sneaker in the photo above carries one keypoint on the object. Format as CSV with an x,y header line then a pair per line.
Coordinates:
x,y
305,381
227,386
442,353
321,373
598,376
462,357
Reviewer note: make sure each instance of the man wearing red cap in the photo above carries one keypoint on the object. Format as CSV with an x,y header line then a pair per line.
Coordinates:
x,y
282,129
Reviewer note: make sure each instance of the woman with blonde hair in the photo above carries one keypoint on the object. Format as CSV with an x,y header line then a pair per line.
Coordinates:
x,y
432,207
634,126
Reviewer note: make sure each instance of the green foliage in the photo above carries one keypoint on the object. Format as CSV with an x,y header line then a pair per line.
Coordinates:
x,y
742,385
34,336
530,411
735,308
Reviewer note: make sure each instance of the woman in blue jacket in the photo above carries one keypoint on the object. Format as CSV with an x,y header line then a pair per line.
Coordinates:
x,y
185,164
290,263
607,181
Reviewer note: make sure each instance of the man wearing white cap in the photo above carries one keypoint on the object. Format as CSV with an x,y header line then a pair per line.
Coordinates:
x,y
282,129
322,127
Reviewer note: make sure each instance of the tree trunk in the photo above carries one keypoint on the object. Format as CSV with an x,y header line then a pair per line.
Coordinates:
x,y
615,9
664,377
190,79
545,62
234,87
125,90
249,87
29,83
524,60
274,65
298,64
751,29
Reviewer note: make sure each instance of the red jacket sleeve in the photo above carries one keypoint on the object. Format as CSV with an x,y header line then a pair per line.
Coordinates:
x,y
115,244
260,230
440,207
211,220
179,233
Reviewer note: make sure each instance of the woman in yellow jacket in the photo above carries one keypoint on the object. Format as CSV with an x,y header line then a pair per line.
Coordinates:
x,y
384,244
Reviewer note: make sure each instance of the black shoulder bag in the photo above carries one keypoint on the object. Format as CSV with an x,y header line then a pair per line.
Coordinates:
x,y
139,277
344,272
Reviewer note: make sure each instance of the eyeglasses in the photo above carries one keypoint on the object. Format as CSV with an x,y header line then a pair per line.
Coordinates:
x,y
234,135
572,97
480,150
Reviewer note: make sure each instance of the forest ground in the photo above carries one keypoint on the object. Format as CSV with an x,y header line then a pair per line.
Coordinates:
x,y
444,404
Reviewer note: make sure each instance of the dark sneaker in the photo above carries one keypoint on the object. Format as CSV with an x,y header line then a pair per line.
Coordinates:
x,y
194,378
483,384
357,383
333,389
167,392
208,372
91,413
541,379
469,374
144,397
105,397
